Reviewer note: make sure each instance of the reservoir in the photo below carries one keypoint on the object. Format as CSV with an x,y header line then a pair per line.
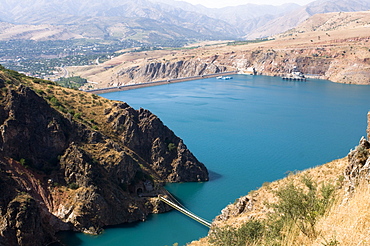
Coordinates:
x,y
247,131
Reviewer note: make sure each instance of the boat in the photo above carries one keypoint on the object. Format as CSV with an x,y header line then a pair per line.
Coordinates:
x,y
295,76
227,78
219,77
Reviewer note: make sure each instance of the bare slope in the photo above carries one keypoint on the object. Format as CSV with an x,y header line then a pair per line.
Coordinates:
x,y
299,15
35,32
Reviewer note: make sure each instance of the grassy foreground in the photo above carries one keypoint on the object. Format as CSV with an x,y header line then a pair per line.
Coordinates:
x,y
311,207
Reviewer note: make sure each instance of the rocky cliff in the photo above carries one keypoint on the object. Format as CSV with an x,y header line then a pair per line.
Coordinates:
x,y
75,161
163,70
347,64
327,46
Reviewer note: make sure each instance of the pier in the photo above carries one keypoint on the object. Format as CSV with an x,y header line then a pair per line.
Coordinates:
x,y
294,78
185,211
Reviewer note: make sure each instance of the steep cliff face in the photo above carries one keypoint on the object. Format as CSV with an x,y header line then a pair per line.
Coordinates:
x,y
358,168
338,55
64,168
145,134
358,165
347,63
152,71
28,118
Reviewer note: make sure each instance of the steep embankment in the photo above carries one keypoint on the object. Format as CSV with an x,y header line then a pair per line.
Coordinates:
x,y
331,46
75,161
325,205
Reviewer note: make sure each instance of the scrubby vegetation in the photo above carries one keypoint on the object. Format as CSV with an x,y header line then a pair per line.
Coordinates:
x,y
72,82
296,212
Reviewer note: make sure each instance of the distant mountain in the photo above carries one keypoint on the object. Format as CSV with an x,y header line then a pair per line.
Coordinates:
x,y
244,17
123,19
297,16
156,21
326,22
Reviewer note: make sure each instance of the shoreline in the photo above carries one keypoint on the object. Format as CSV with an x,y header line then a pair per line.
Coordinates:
x,y
155,83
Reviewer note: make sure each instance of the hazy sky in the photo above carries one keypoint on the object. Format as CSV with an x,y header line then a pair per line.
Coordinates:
x,y
223,3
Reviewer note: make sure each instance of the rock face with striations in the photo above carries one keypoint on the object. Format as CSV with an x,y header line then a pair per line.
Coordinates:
x,y
59,173
358,163
145,134
154,71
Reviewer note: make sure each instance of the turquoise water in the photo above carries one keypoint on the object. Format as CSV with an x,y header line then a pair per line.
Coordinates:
x,y
247,131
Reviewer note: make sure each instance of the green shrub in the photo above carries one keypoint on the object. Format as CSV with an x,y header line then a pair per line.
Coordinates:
x,y
40,92
55,102
23,162
77,115
297,207
171,146
73,186
72,82
249,233
62,109
303,206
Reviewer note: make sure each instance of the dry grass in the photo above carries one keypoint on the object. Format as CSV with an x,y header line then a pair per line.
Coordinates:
x,y
83,107
348,222
329,172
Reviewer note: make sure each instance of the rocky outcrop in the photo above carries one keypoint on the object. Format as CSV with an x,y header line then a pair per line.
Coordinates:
x,y
153,71
368,126
58,173
28,119
347,65
358,165
23,224
338,64
145,134
241,205
358,168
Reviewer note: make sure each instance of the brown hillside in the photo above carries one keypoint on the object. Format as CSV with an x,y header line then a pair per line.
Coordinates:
x,y
35,32
71,160
336,48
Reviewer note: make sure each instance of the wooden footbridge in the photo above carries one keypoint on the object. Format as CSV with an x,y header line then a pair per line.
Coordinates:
x,y
185,211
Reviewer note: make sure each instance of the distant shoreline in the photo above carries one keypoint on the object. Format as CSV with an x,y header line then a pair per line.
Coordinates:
x,y
155,83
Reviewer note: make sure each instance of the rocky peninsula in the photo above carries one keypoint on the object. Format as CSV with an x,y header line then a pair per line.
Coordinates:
x,y
70,160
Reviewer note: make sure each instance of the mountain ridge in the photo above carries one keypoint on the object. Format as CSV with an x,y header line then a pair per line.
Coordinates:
x,y
195,22
70,160
296,17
